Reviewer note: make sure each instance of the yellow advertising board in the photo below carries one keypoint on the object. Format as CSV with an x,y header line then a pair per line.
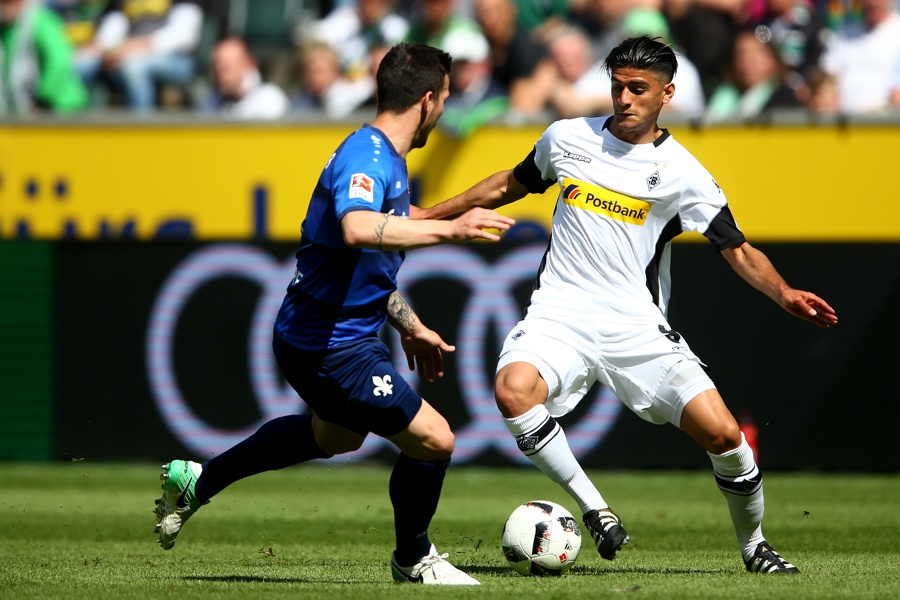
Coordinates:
x,y
232,181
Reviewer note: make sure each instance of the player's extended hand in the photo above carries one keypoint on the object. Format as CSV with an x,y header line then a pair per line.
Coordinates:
x,y
471,225
424,352
809,307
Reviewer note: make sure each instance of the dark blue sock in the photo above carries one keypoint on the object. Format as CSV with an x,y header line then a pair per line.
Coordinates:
x,y
280,443
415,489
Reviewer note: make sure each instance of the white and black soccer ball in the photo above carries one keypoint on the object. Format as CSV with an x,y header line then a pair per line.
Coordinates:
x,y
541,538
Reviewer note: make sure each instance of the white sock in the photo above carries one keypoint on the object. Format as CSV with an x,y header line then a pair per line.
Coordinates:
x,y
740,481
544,442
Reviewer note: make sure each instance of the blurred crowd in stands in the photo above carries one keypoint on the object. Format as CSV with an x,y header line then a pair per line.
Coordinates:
x,y
268,59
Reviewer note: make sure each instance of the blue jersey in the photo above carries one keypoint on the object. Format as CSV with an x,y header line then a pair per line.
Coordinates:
x,y
339,294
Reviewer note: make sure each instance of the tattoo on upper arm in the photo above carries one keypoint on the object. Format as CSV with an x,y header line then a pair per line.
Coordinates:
x,y
400,313
379,232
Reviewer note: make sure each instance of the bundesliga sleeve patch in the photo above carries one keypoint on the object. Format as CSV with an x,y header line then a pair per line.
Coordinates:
x,y
361,186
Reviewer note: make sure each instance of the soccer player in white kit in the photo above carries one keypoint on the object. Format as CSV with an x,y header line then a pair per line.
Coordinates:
x,y
598,310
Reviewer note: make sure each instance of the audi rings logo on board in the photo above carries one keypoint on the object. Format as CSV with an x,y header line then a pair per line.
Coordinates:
x,y
490,304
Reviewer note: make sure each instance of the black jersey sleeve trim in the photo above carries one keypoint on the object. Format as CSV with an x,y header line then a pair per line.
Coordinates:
x,y
669,233
537,279
528,174
723,232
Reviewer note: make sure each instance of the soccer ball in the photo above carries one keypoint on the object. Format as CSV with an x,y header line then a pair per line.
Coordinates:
x,y
541,538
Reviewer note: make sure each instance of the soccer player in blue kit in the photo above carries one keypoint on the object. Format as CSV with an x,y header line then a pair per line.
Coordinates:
x,y
326,333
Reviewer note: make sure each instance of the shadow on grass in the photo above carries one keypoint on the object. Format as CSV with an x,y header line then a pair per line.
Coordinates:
x,y
247,579
648,571
590,572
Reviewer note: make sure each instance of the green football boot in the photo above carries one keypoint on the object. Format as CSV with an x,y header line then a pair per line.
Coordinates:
x,y
178,501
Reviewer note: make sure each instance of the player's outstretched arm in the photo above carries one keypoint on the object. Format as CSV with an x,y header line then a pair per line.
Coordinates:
x,y
756,269
423,347
378,231
492,192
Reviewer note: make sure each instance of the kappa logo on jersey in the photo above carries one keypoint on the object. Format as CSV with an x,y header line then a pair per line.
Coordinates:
x,y
383,385
361,186
518,334
653,181
574,156
605,202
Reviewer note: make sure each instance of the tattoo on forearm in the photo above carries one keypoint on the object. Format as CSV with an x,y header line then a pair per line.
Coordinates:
x,y
400,313
379,232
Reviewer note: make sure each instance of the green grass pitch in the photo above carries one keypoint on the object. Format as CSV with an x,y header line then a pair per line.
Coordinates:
x,y
85,530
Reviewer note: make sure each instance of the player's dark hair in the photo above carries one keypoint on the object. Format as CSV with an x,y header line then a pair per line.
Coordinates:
x,y
407,72
645,53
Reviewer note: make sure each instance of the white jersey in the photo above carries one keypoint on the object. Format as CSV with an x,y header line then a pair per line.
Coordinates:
x,y
618,209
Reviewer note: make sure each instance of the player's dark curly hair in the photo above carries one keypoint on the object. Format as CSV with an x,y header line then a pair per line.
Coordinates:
x,y
407,72
645,53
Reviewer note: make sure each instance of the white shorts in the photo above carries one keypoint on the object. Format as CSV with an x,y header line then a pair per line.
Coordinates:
x,y
650,369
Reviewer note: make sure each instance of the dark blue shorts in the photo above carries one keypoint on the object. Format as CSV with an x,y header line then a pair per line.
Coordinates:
x,y
354,386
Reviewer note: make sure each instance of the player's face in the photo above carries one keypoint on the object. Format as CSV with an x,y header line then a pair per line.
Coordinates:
x,y
637,96
435,110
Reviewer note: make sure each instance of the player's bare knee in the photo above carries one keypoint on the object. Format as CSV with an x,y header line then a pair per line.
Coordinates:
x,y
726,438
443,444
437,445
515,395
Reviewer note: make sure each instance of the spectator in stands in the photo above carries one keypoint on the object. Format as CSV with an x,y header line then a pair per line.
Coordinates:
x,y
36,69
433,20
797,30
705,31
521,65
376,53
475,97
324,87
353,30
823,97
540,17
755,84
583,89
80,18
240,91
570,48
862,56
577,92
837,13
140,45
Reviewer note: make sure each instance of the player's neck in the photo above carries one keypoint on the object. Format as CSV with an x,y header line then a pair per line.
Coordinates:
x,y
642,135
398,129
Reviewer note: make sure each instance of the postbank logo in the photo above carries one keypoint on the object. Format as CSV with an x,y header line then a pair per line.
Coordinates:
x,y
605,202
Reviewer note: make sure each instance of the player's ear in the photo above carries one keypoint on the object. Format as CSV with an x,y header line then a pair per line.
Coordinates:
x,y
668,92
427,102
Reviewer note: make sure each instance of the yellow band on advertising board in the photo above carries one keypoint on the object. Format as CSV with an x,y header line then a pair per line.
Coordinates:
x,y
231,181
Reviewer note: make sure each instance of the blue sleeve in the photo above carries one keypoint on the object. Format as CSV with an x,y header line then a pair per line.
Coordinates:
x,y
361,177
